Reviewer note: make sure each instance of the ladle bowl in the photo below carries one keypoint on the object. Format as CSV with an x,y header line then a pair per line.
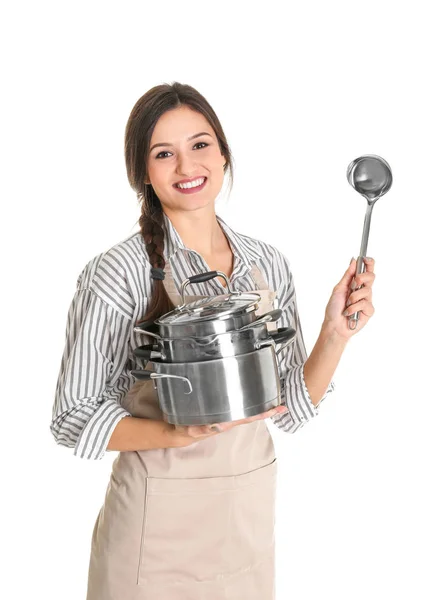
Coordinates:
x,y
370,175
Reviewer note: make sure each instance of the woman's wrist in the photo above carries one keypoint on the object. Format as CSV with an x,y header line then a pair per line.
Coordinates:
x,y
174,437
328,332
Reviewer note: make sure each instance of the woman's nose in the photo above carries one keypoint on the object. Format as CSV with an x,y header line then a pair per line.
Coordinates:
x,y
185,165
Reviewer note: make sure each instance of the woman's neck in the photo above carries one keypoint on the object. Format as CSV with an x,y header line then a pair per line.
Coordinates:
x,y
200,231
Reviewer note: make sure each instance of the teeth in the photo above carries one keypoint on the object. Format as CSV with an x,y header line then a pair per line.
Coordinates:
x,y
191,184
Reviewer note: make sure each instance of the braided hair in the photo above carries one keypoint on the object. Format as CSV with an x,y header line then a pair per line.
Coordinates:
x,y
139,129
153,235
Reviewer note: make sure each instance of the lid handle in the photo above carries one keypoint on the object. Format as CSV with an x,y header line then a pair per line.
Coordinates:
x,y
200,279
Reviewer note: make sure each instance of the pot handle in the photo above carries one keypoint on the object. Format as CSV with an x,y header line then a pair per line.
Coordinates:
x,y
272,315
200,278
139,374
283,335
145,332
147,352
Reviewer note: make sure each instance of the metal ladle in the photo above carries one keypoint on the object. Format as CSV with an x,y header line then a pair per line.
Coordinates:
x,y
371,176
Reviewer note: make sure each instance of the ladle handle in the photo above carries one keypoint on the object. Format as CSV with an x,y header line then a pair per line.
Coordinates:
x,y
353,319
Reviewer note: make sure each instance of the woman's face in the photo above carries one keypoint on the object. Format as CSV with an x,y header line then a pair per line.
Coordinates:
x,y
178,158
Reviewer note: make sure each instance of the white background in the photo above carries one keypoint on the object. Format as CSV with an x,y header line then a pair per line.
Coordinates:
x,y
301,89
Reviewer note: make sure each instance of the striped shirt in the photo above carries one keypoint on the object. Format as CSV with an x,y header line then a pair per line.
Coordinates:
x,y
112,294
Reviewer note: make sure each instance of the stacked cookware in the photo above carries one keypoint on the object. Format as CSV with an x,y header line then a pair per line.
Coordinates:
x,y
213,359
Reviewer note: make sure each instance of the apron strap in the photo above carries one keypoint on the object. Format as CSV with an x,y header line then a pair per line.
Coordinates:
x,y
168,282
258,278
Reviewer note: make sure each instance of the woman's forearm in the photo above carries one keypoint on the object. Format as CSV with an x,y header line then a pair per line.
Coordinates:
x,y
134,433
320,366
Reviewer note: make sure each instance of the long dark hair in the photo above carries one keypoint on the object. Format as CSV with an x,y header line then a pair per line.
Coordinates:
x,y
139,128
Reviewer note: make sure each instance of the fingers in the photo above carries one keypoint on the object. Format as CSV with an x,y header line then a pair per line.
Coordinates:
x,y
269,413
197,430
370,263
364,292
364,306
224,426
362,278
362,284
281,409
367,278
345,282
361,299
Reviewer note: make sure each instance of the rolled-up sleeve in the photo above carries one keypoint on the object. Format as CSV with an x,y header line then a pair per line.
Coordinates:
x,y
291,360
91,383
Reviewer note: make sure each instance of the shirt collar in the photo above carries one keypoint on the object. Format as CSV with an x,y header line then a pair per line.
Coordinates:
x,y
244,248
172,240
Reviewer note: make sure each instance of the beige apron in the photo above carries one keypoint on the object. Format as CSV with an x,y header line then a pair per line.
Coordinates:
x,y
192,523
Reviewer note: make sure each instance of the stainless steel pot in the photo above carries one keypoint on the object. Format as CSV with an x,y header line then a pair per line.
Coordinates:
x,y
224,389
239,341
209,328
207,316
213,360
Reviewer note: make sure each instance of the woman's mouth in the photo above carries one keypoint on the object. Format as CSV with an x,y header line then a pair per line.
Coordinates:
x,y
192,187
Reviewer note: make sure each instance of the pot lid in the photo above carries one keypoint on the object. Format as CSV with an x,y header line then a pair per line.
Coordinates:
x,y
211,308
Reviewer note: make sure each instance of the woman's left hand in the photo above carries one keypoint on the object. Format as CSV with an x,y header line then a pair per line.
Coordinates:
x,y
359,300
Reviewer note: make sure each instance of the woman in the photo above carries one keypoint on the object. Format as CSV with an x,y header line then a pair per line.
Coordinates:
x,y
189,511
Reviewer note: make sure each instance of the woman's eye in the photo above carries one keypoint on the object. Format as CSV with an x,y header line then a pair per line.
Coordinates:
x,y
159,155
166,152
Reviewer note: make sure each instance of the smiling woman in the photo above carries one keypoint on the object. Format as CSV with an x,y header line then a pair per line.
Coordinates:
x,y
173,138
198,162
189,511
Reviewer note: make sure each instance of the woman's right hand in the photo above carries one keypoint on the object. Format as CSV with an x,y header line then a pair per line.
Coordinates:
x,y
185,435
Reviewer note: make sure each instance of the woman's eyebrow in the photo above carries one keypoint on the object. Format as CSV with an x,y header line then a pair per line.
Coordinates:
x,y
192,137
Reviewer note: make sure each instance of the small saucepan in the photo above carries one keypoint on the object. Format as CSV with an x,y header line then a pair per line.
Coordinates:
x,y
208,315
231,343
